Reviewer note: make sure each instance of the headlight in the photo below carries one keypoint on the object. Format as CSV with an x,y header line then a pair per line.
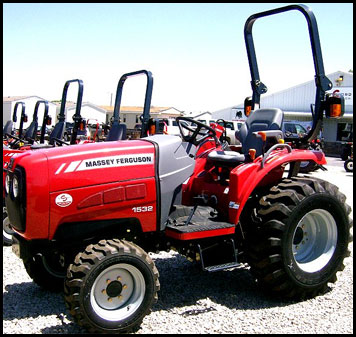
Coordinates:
x,y
7,184
15,187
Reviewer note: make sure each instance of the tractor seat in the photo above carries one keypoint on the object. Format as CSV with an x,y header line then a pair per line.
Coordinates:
x,y
57,132
116,132
8,128
30,134
259,120
226,158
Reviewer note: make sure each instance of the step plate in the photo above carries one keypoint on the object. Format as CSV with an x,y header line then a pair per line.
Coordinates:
x,y
199,231
223,266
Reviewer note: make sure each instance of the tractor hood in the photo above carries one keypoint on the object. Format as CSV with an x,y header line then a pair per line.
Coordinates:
x,y
90,164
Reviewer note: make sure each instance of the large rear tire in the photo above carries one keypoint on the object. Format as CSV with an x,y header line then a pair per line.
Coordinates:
x,y
111,286
300,238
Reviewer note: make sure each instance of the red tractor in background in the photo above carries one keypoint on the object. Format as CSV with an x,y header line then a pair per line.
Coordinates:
x,y
9,129
86,216
17,144
24,141
10,134
14,144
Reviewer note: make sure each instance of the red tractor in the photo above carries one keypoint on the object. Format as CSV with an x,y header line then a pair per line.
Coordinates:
x,y
87,216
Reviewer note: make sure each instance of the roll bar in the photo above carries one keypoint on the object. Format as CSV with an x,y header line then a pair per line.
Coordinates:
x,y
322,82
14,115
23,116
148,95
77,118
45,118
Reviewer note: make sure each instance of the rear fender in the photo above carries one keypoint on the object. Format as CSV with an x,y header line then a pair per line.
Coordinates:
x,y
245,178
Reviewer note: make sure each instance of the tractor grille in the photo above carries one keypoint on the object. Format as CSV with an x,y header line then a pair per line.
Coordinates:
x,y
16,205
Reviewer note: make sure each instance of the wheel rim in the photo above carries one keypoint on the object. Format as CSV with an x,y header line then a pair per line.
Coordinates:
x,y
53,267
7,231
314,240
118,292
350,165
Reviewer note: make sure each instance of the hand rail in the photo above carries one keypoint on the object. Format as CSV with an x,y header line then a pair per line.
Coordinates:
x,y
272,149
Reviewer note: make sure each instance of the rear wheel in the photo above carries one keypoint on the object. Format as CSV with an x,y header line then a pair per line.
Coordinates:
x,y
47,270
300,237
111,286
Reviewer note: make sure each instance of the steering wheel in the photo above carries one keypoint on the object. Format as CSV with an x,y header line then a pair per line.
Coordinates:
x,y
195,135
12,136
16,140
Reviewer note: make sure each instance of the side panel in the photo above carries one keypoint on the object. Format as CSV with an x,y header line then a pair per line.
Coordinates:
x,y
128,199
175,165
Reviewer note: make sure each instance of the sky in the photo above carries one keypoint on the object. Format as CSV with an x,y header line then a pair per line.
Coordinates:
x,y
195,51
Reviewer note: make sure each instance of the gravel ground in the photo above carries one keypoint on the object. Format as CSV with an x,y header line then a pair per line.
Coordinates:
x,y
191,301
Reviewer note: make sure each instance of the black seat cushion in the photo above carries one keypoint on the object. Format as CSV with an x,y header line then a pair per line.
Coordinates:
x,y
259,120
229,158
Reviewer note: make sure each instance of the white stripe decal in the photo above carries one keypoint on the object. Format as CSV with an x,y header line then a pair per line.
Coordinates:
x,y
60,168
72,166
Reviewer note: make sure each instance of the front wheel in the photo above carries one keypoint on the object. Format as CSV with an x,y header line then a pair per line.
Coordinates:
x,y
111,286
6,229
300,237
349,165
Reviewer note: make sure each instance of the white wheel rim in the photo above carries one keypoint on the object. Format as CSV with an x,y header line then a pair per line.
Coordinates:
x,y
6,229
122,303
314,240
